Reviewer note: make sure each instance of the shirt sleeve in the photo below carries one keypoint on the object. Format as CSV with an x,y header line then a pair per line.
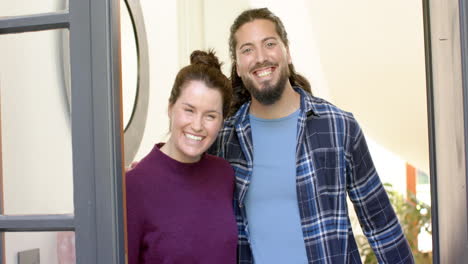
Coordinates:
x,y
134,218
374,210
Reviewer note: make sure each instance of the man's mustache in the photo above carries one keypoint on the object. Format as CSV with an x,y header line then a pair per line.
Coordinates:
x,y
263,65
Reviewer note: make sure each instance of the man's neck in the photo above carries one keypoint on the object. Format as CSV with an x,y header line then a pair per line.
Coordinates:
x,y
286,105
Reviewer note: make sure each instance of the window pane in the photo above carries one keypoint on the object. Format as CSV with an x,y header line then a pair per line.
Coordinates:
x,y
35,124
28,7
52,247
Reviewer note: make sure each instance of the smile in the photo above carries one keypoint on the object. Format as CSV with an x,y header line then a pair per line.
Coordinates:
x,y
193,137
264,72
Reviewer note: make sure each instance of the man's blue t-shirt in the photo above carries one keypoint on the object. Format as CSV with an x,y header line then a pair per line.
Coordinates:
x,y
271,201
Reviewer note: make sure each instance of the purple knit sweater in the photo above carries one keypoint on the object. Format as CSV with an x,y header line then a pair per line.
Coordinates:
x,y
180,212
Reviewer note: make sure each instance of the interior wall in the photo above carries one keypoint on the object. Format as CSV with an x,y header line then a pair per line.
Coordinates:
x,y
218,17
372,55
162,32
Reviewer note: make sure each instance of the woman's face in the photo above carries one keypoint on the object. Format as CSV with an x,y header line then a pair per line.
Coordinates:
x,y
195,120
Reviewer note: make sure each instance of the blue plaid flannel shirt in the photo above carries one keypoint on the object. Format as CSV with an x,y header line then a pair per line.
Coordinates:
x,y
332,161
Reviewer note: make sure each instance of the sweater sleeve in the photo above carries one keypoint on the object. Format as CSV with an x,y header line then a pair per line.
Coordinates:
x,y
134,217
376,215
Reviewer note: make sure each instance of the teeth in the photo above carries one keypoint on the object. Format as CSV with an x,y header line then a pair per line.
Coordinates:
x,y
264,73
193,137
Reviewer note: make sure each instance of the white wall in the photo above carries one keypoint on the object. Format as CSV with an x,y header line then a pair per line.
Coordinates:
x,y
372,53
161,27
218,17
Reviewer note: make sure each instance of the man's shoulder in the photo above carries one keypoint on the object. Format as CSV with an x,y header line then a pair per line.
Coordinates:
x,y
324,108
229,126
229,123
227,129
318,106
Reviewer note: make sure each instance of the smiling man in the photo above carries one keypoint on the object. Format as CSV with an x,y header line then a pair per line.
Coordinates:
x,y
297,158
263,62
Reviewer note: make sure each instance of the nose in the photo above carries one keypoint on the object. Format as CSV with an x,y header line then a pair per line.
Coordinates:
x,y
197,124
261,55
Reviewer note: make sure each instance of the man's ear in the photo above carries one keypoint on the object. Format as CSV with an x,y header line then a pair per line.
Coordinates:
x,y
289,55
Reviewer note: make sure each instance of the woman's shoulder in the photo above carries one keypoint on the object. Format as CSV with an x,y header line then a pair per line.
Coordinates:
x,y
217,162
143,169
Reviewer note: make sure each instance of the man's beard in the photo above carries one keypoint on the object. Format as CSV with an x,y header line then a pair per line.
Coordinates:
x,y
271,92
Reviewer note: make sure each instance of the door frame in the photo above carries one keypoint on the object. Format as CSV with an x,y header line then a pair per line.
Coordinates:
x,y
98,219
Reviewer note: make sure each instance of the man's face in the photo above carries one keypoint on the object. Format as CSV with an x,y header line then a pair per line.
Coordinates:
x,y
262,60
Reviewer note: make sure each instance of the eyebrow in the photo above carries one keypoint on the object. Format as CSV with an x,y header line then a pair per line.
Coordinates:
x,y
263,40
209,111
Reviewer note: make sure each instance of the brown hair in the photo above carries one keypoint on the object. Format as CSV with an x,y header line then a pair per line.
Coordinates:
x,y
241,95
205,67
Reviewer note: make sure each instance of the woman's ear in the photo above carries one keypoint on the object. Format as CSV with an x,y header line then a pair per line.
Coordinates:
x,y
169,114
169,110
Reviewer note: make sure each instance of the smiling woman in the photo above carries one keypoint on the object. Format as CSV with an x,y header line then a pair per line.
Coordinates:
x,y
196,118
179,181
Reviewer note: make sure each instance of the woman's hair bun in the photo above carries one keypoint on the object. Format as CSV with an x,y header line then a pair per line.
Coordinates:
x,y
207,58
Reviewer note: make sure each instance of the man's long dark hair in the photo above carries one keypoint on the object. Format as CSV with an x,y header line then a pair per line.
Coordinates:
x,y
241,94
